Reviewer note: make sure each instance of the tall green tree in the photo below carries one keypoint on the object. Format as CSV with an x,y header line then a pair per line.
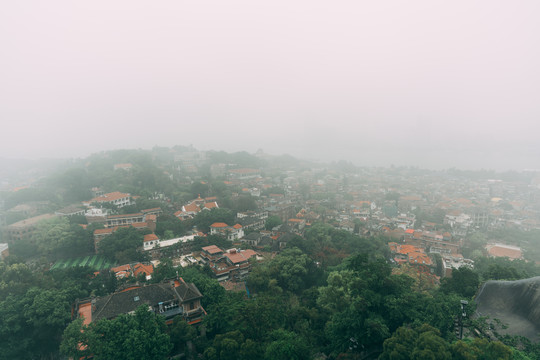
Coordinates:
x,y
123,245
130,337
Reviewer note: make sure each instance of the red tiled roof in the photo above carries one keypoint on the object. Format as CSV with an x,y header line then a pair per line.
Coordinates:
x,y
211,205
419,258
238,257
121,268
212,249
141,268
151,217
191,208
237,226
405,249
219,225
139,225
85,311
150,237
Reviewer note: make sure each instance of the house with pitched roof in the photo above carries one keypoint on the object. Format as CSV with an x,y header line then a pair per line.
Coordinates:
x,y
191,209
128,270
168,299
404,253
231,233
232,264
150,241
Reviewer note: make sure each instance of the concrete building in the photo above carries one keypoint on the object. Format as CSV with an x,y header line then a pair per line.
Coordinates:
x,y
24,228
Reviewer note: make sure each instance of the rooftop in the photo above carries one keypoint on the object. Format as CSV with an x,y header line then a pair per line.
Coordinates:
x,y
110,197
31,221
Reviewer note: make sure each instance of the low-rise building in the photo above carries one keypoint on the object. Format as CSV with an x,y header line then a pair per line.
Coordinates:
x,y
167,299
454,262
125,219
24,228
115,198
231,233
232,264
70,211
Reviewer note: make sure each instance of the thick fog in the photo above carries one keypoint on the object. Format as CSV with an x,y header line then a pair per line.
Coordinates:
x,y
424,83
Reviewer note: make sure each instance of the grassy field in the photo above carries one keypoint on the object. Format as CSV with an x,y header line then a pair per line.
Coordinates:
x,y
96,262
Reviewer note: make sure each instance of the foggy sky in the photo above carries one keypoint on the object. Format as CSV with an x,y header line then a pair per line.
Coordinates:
x,y
424,83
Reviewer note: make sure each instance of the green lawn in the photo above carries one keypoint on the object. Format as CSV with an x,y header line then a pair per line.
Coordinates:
x,y
96,262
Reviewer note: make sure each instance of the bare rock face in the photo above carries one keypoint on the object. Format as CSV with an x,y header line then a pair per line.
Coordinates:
x,y
515,303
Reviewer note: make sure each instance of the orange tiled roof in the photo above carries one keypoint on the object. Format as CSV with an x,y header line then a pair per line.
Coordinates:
x,y
85,311
150,237
405,249
238,257
419,258
237,226
121,268
141,268
212,249
211,205
139,225
191,208
219,225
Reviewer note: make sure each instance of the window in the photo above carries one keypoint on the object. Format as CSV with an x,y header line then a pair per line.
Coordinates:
x,y
191,305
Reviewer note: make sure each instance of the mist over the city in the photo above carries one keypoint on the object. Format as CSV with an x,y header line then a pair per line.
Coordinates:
x,y
280,180
419,83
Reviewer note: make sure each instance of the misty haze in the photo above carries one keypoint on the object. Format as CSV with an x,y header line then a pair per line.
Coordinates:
x,y
269,180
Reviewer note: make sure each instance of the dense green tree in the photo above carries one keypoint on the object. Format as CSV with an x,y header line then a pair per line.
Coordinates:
x,y
123,246
170,223
139,336
181,333
213,292
15,279
204,219
272,222
291,270
286,345
464,282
